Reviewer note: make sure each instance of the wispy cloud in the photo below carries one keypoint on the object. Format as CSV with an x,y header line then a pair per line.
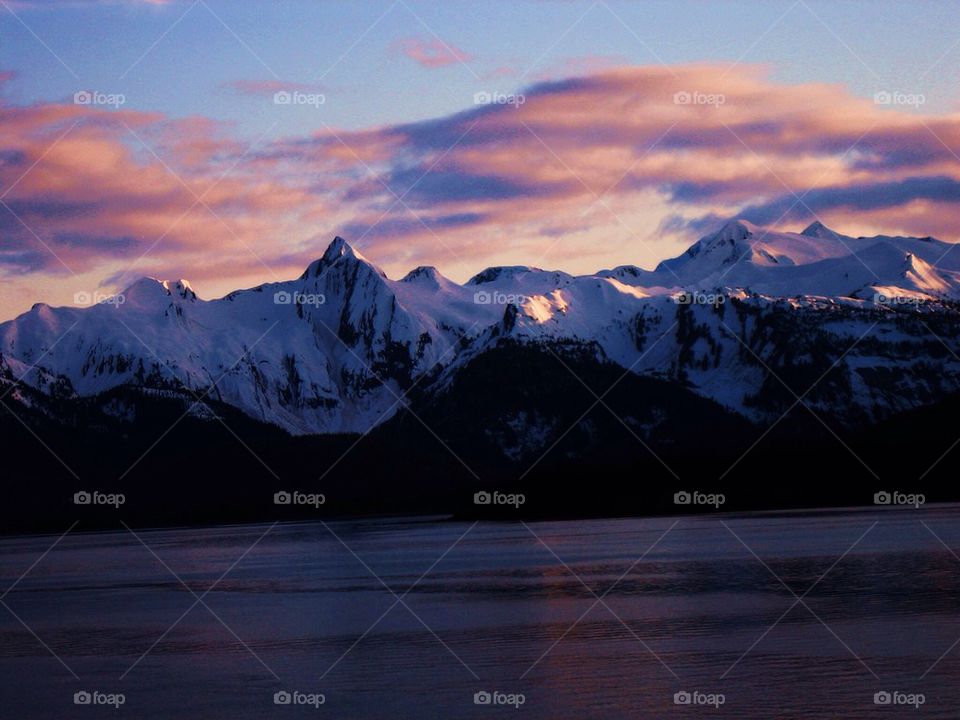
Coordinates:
x,y
431,52
693,139
622,165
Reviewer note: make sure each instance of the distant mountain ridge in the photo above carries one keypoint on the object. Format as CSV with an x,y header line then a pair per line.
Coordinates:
x,y
343,347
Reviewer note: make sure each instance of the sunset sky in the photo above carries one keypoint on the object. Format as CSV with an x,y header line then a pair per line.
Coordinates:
x,y
620,133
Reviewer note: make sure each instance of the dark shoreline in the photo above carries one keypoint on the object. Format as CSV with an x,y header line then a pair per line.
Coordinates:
x,y
82,528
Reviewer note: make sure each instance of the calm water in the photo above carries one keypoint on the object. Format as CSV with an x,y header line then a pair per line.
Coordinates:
x,y
497,613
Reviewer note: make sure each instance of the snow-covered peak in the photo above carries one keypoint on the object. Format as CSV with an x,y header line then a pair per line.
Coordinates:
x,y
425,275
741,254
147,288
502,272
735,230
181,288
926,278
632,275
909,276
623,271
729,236
336,250
520,280
724,248
817,229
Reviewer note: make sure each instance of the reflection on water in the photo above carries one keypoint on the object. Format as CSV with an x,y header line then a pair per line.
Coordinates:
x,y
565,614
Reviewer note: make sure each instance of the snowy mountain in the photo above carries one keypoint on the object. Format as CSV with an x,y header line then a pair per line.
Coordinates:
x,y
343,347
741,254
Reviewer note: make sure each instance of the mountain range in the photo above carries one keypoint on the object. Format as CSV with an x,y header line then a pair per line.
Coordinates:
x,y
806,355
336,349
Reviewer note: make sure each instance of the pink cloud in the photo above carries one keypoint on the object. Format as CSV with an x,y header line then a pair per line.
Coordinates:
x,y
82,193
631,146
625,165
431,53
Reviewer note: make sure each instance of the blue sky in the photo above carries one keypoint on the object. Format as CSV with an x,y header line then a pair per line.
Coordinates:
x,y
131,48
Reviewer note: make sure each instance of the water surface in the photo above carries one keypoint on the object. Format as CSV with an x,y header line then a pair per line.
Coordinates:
x,y
783,615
